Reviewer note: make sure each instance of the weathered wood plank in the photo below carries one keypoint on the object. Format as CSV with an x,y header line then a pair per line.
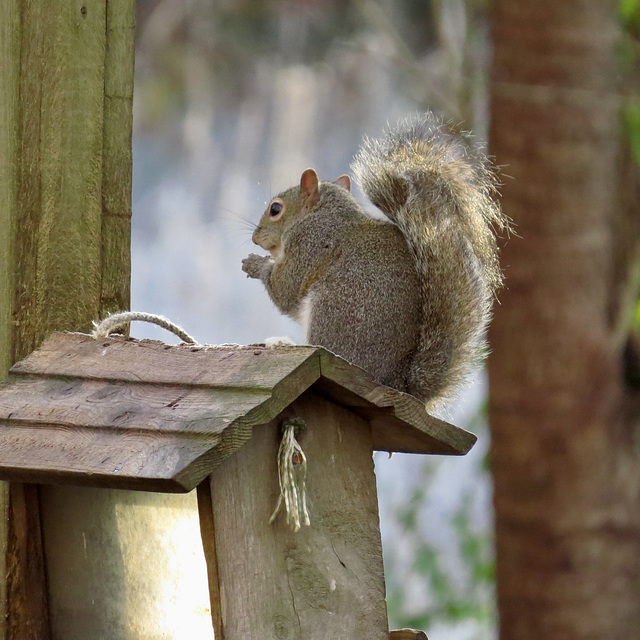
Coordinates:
x,y
429,435
60,169
400,422
325,577
389,410
63,406
116,459
155,362
30,48
28,610
4,555
81,403
117,161
122,435
56,132
52,109
9,109
9,106
207,533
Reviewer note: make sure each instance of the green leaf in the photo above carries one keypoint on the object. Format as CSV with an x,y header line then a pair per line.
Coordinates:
x,y
632,127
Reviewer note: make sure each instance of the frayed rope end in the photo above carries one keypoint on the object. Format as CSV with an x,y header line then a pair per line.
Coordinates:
x,y
292,474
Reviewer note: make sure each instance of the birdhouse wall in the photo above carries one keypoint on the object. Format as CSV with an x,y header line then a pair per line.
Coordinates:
x,y
324,581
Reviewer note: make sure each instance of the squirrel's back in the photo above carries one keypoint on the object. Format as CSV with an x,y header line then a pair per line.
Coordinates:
x,y
439,191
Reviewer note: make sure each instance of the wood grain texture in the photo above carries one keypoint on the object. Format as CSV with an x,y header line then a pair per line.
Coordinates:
x,y
104,459
117,406
117,160
5,495
53,111
207,532
146,415
76,354
326,580
9,108
67,78
59,200
400,421
9,81
28,609
389,410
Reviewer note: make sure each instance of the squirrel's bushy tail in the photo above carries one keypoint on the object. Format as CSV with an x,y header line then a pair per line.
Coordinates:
x,y
439,191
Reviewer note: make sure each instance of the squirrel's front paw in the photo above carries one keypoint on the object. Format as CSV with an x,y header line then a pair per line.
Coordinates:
x,y
253,265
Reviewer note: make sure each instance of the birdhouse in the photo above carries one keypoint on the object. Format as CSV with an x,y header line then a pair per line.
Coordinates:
x,y
117,413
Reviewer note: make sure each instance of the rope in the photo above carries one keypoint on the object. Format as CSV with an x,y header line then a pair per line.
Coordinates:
x,y
115,321
292,474
292,463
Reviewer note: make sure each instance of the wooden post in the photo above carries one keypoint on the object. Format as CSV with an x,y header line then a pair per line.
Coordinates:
x,y
66,80
9,83
324,581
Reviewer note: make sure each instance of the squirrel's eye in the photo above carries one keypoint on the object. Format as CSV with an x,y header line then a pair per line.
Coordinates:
x,y
275,209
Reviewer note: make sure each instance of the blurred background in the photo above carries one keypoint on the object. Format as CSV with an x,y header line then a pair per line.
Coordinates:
x,y
233,100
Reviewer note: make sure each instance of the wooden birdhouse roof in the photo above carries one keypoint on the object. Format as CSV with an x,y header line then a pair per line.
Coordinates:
x,y
134,414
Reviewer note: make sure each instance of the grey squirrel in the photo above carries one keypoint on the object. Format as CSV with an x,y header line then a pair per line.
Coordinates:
x,y
408,299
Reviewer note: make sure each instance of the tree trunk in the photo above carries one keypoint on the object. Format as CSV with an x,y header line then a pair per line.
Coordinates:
x,y
565,458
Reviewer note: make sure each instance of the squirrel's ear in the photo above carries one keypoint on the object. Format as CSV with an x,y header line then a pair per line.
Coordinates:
x,y
344,181
309,182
